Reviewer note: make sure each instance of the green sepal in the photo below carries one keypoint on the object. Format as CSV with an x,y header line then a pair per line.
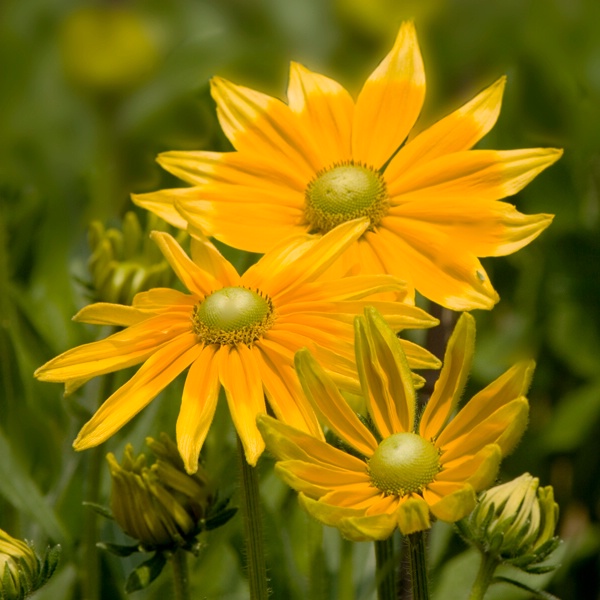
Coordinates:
x,y
100,509
536,593
145,573
219,519
48,564
118,549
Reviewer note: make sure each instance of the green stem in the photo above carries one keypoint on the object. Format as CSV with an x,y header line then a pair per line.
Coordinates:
x,y
418,565
181,583
484,576
251,514
385,573
90,581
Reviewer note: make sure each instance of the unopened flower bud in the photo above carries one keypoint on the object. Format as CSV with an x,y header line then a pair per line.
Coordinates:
x,y
125,262
21,570
159,505
516,521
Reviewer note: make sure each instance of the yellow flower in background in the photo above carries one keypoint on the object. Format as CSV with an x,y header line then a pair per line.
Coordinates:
x,y
238,332
323,159
400,472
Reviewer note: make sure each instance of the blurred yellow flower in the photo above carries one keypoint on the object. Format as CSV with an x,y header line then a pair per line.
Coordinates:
x,y
238,332
323,159
401,472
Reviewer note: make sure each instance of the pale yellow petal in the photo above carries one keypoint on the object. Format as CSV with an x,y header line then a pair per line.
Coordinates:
x,y
151,378
368,528
413,515
479,470
198,404
451,382
389,102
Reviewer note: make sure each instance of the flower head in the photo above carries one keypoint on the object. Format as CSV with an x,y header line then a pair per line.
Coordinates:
x,y
323,159
21,570
239,332
515,522
400,471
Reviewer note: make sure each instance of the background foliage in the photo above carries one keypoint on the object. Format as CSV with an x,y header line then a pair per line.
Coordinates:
x,y
78,139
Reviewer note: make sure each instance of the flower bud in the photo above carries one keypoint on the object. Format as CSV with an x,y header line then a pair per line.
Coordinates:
x,y
125,262
159,505
515,521
21,570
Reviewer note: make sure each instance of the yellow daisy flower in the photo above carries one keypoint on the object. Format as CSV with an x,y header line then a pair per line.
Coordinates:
x,y
238,332
400,472
323,159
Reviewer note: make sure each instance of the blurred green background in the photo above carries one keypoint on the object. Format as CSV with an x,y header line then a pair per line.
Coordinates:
x,y
91,92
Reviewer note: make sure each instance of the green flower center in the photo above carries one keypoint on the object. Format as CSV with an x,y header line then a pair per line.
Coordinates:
x,y
404,463
342,193
232,315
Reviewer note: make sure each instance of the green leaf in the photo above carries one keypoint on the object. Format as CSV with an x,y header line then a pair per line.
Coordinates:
x,y
118,549
143,575
536,593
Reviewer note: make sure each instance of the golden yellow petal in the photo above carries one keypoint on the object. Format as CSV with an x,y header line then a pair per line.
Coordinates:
x,y
152,377
480,228
504,427
439,268
259,125
209,259
284,393
324,110
104,313
471,175
162,203
240,376
390,101
451,382
331,406
118,351
413,515
385,376
460,130
194,278
198,404
509,386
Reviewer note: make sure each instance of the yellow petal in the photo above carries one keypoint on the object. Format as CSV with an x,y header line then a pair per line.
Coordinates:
x,y
471,175
480,228
368,528
151,378
460,130
162,203
479,470
288,443
439,268
164,299
504,427
209,259
240,376
326,476
104,313
118,351
331,406
413,515
324,110
509,386
198,405
260,125
306,265
456,505
449,387
195,279
389,102
284,393
209,169
385,376
326,513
